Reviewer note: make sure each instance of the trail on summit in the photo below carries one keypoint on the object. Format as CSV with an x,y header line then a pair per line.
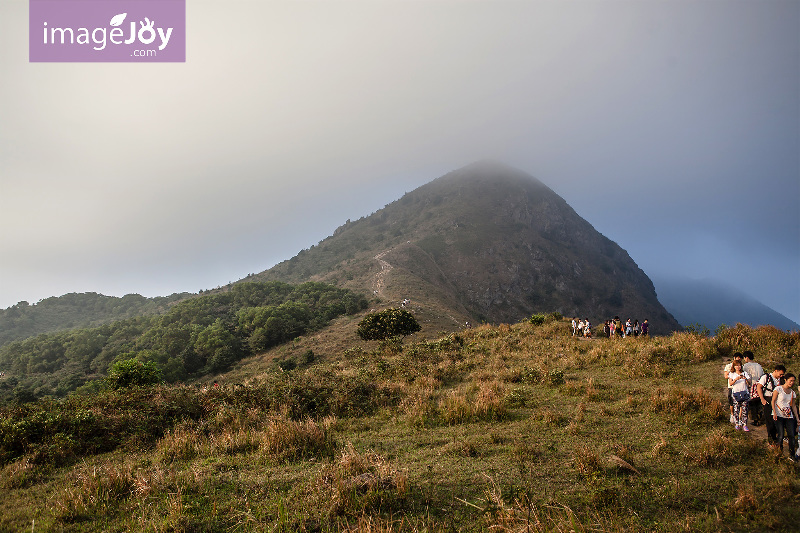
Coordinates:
x,y
380,277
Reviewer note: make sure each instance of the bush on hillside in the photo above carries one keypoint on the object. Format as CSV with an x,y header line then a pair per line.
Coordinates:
x,y
541,318
386,324
767,342
133,373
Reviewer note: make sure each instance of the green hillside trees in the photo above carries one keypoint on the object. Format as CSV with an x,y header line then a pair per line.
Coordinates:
x,y
197,336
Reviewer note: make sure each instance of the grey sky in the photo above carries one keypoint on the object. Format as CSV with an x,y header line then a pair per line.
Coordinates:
x,y
673,127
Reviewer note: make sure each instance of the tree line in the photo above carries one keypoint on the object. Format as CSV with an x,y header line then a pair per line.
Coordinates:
x,y
77,310
198,336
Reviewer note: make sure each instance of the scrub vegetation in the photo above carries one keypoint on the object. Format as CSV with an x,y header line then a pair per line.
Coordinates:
x,y
195,337
505,428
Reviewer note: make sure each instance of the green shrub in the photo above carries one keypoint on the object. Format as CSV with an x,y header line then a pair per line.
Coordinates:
x,y
386,324
133,373
538,320
556,377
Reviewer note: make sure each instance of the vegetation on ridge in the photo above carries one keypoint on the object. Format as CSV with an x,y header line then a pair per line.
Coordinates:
x,y
195,337
76,310
514,428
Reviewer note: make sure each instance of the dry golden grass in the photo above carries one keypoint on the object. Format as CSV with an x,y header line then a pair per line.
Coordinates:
x,y
509,428
714,450
359,482
94,490
586,461
693,401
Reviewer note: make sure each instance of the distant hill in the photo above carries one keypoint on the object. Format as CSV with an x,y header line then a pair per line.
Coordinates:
x,y
711,303
195,337
483,243
76,310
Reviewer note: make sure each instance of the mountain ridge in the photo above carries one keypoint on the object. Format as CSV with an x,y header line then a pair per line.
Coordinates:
x,y
496,244
711,303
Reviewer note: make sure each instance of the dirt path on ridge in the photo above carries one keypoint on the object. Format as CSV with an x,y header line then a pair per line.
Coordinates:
x,y
380,277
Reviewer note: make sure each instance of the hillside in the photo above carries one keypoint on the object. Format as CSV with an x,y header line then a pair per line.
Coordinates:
x,y
497,428
712,303
76,310
196,337
485,243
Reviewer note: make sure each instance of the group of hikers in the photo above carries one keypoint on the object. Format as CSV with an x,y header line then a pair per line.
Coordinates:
x,y
612,328
769,399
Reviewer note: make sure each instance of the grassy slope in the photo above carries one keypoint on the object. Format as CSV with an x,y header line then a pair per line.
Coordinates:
x,y
467,432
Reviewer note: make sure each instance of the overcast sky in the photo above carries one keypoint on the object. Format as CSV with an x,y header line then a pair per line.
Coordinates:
x,y
672,127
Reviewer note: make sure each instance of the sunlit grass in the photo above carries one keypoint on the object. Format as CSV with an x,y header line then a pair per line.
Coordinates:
x,y
510,428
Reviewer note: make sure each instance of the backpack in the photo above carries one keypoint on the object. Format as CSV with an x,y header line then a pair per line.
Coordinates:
x,y
771,380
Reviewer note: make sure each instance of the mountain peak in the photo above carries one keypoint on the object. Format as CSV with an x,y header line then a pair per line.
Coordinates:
x,y
485,242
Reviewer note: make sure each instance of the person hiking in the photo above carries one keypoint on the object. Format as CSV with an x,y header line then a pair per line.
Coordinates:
x,y
784,413
725,371
756,371
739,381
765,386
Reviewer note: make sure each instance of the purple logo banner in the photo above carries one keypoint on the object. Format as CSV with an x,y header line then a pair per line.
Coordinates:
x,y
130,31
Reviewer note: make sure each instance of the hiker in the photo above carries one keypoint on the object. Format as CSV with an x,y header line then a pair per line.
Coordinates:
x,y
587,328
784,414
607,329
645,327
617,326
628,328
739,381
636,329
725,372
756,371
574,326
765,386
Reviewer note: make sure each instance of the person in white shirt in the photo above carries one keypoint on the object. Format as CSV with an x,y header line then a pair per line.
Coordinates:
x,y
739,381
765,386
784,413
725,372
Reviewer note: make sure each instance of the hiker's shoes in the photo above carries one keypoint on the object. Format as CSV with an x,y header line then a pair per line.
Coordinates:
x,y
745,428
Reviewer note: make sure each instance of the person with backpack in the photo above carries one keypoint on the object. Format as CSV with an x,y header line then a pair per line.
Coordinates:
x,y
765,386
645,327
784,413
756,371
739,381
